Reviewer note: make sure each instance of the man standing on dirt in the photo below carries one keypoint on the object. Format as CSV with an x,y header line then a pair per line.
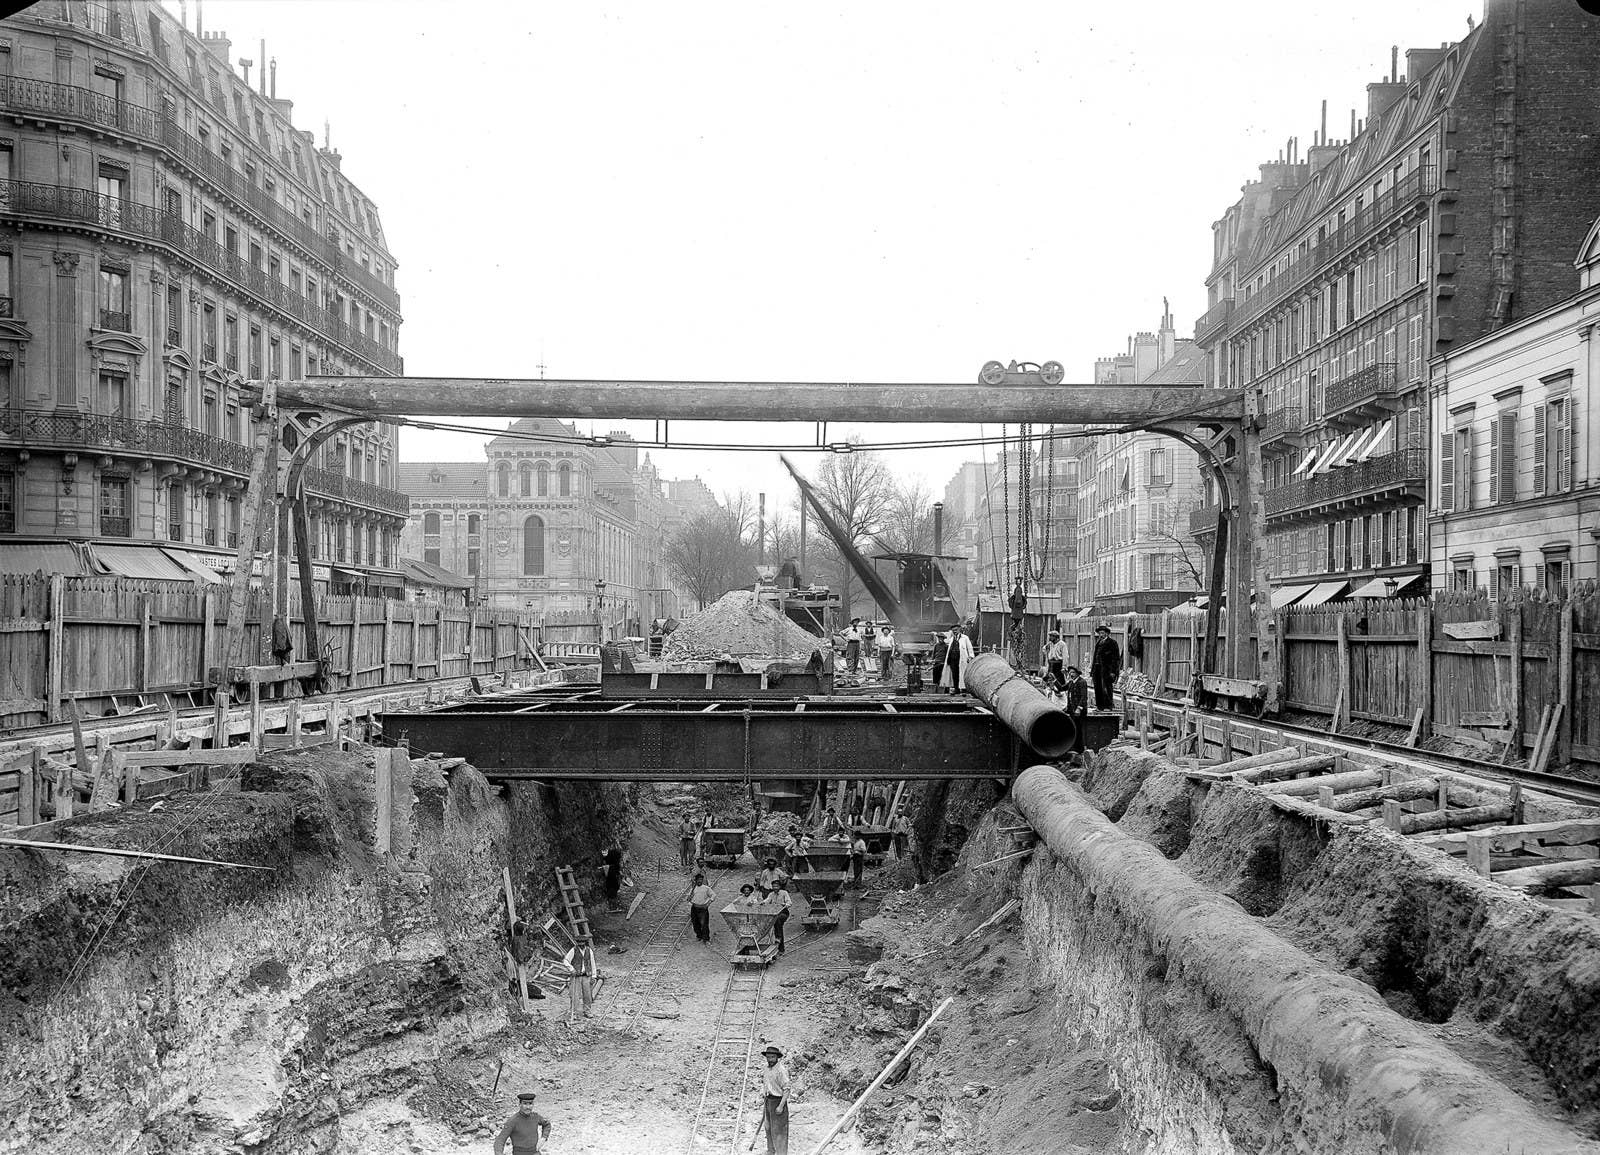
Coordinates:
x,y
775,1082
525,1129
1105,666
778,895
858,855
700,899
686,833
613,865
1077,696
900,827
852,646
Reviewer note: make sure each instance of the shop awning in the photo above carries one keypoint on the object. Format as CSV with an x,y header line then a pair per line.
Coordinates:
x,y
198,570
1379,587
52,557
1288,595
384,581
427,574
1377,440
1325,591
139,561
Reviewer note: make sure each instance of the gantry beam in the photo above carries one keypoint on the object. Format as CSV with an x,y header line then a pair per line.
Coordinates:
x,y
763,400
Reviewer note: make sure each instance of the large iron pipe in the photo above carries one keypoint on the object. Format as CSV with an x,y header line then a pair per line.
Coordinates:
x,y
761,400
1336,1048
1018,703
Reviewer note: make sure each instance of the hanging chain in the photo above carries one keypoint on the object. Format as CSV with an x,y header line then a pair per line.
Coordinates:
x,y
1005,501
1038,572
1025,508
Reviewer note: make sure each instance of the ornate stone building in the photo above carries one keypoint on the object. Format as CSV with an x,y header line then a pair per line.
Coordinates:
x,y
547,518
166,234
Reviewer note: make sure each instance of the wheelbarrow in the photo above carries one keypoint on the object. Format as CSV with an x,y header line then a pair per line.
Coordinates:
x,y
721,846
754,943
822,891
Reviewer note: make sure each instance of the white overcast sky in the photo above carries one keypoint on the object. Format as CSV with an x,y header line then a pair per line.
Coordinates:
x,y
760,191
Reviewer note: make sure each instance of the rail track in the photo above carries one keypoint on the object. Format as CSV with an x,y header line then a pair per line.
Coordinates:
x,y
718,1124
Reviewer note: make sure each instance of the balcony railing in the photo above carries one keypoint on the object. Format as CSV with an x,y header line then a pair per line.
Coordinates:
x,y
117,320
1204,519
1215,322
1401,469
1369,384
365,279
255,370
81,105
210,535
174,338
6,307
233,539
1413,190
208,353
123,436
115,526
81,206
1281,423
331,484
174,531
231,360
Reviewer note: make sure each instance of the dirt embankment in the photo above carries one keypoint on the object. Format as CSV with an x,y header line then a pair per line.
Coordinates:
x,y
185,1009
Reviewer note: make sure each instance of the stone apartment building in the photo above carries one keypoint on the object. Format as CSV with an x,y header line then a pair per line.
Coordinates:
x,y
1517,468
545,519
1451,210
168,234
1136,491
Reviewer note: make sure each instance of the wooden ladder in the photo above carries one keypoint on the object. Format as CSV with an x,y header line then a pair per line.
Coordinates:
x,y
567,884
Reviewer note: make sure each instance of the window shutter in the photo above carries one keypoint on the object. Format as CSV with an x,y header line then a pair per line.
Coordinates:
x,y
1494,461
1464,468
1447,473
1506,451
1564,448
1539,413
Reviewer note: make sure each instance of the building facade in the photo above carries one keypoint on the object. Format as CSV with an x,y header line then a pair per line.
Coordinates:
x,y
167,234
569,527
1136,491
1517,466
1452,210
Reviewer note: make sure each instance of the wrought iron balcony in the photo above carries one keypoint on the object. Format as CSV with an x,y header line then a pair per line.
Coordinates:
x,y
255,370
1209,328
233,539
1358,396
117,320
122,436
210,535
231,361
1284,425
1204,519
174,531
1373,482
174,337
331,484
81,206
208,353
6,307
115,526
80,105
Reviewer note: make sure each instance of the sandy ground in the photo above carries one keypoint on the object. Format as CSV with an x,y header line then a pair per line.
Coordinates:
x,y
629,1077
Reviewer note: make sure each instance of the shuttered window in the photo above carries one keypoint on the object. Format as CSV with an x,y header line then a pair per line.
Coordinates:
x,y
1552,446
1447,472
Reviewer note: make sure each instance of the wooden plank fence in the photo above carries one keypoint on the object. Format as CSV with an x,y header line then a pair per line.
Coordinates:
x,y
1457,665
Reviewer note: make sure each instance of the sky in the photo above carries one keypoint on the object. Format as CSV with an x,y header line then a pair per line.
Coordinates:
x,y
752,191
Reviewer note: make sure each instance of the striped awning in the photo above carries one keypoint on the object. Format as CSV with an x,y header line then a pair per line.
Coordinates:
x,y
1288,595
50,557
1323,592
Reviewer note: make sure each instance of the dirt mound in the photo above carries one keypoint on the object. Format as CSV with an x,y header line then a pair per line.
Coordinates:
x,y
738,625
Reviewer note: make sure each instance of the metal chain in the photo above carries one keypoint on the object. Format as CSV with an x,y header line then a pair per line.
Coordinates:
x,y
1005,501
1049,510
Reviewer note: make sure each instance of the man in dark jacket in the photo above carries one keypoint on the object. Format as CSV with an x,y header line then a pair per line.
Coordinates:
x,y
1076,691
1105,667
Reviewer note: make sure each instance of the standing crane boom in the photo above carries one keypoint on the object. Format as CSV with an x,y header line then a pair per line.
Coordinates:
x,y
876,586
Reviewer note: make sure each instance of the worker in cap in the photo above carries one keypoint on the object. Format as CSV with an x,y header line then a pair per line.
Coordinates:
x,y
1076,692
767,878
747,896
775,1081
1105,666
1055,660
526,1129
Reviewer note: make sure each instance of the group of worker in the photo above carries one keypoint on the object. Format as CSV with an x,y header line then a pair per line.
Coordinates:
x,y
527,1129
868,644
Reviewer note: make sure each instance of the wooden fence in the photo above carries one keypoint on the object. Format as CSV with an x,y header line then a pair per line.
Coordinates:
x,y
1460,666
110,643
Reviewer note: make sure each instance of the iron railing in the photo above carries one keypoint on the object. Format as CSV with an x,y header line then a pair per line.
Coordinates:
x,y
1369,384
1401,469
231,360
1413,190
210,537
123,436
331,484
174,531
6,307
1280,422
1204,519
83,206
116,319
115,526
1215,322
174,337
80,105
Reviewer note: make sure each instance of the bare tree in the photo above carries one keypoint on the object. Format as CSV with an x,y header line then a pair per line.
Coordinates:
x,y
1169,524
711,554
859,491
908,521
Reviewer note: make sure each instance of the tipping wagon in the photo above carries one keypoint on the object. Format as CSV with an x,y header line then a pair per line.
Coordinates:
x,y
721,846
828,855
755,943
878,840
822,890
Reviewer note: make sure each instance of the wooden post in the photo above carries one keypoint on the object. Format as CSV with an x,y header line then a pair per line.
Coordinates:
x,y
219,717
1253,556
244,557
1424,672
351,665
1341,715
292,719
1514,642
311,626
383,795
57,623
388,634
130,780
80,752
144,657
256,721
28,790
1564,688
208,636
1161,656
416,637
333,724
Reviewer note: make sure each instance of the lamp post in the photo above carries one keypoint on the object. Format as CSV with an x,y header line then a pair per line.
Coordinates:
x,y
600,606
1390,585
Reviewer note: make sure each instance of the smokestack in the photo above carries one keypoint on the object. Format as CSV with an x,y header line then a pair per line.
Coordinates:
x,y
938,528
1394,63
274,78
1324,138
183,14
199,19
263,59
1352,124
761,531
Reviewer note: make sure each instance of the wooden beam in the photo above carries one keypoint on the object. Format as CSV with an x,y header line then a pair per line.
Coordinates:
x,y
1509,839
58,629
244,556
1271,757
383,796
1341,709
1396,819
1565,872
964,402
1563,715
118,852
1411,790
288,672
233,756
1312,787
1419,728
1278,771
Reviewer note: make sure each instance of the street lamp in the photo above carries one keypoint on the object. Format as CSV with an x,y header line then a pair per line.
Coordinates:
x,y
1390,585
600,593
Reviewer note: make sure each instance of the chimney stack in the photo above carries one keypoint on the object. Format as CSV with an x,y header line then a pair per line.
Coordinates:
x,y
199,19
263,59
274,78
938,528
1323,139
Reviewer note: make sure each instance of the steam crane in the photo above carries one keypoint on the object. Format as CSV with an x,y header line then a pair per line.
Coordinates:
x,y
925,597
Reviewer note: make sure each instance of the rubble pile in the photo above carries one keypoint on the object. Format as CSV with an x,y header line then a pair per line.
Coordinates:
x,y
739,626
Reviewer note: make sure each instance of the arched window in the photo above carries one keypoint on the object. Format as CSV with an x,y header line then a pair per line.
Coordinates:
x,y
525,479
474,523
533,546
565,480
430,522
503,479
544,478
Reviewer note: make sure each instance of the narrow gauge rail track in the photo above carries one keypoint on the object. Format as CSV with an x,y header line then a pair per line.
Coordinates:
x,y
653,953
718,1123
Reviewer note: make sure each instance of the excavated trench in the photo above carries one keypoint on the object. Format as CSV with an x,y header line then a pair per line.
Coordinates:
x,y
1189,970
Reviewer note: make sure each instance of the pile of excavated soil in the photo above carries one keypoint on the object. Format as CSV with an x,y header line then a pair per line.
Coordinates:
x,y
738,625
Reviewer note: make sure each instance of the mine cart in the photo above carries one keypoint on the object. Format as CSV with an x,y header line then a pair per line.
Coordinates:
x,y
721,846
822,891
754,943
761,851
878,840
827,856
